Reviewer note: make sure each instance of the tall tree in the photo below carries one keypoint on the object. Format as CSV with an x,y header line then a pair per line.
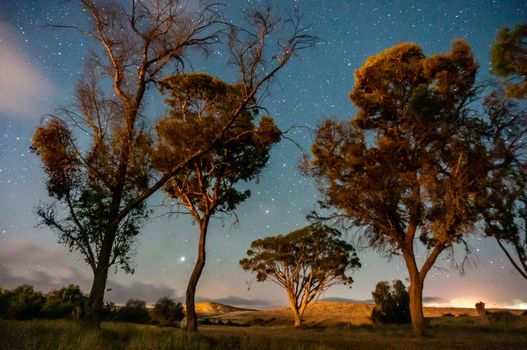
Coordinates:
x,y
505,211
201,105
410,166
205,110
305,263
99,185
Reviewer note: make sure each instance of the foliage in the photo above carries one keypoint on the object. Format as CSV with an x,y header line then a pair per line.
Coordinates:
x,y
505,209
392,303
167,312
65,302
502,317
201,106
100,184
411,165
509,59
134,311
305,263
212,133
21,303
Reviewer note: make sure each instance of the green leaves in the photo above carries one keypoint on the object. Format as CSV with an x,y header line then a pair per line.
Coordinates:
x,y
407,158
313,252
509,59
202,117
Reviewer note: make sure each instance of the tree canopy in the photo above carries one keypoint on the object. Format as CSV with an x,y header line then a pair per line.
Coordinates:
x,y
509,59
305,263
505,211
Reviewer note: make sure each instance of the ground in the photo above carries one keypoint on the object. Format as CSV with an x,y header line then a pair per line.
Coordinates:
x,y
329,325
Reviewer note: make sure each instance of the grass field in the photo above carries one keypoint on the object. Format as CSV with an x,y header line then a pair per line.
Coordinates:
x,y
445,333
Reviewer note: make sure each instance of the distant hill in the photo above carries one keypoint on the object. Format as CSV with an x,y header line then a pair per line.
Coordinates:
x,y
321,312
208,308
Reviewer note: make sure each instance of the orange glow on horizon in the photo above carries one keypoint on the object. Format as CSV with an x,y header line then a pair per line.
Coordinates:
x,y
470,303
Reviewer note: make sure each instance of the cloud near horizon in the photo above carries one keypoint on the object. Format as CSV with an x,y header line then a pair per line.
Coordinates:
x,y
47,268
24,88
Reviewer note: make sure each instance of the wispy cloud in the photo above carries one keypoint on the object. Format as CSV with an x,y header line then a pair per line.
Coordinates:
x,y
24,87
47,268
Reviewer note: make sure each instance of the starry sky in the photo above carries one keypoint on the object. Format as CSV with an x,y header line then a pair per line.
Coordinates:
x,y
39,67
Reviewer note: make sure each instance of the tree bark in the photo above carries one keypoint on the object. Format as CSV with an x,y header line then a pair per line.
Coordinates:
x,y
96,299
296,312
192,319
416,305
100,276
298,319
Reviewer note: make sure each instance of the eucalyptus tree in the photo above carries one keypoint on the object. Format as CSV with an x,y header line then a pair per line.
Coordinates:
x,y
304,262
100,181
505,211
200,106
411,166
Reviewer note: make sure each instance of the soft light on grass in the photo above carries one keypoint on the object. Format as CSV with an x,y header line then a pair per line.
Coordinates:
x,y
446,333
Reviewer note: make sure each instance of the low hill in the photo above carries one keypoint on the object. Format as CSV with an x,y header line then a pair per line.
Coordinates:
x,y
321,312
208,308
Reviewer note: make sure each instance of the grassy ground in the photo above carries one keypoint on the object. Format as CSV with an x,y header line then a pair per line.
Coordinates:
x,y
445,333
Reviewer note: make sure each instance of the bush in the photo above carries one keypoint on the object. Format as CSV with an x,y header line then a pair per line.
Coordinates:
x,y
391,303
167,312
23,303
502,317
65,302
110,312
134,311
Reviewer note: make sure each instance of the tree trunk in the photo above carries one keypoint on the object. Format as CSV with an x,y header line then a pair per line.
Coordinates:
x,y
192,319
298,319
100,277
294,308
416,305
96,299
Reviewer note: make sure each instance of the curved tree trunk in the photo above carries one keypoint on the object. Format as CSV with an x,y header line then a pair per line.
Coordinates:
x,y
192,319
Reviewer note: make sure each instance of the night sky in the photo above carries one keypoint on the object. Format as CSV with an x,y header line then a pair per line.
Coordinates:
x,y
39,68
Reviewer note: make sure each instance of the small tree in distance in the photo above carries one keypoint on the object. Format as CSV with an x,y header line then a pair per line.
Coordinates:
x,y
392,303
305,263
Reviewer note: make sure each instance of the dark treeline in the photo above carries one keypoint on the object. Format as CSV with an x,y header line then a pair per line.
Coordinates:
x,y
26,303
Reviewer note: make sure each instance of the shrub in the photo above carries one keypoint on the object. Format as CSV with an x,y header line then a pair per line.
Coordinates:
x,y
4,302
391,303
167,312
134,311
110,312
24,303
502,317
65,302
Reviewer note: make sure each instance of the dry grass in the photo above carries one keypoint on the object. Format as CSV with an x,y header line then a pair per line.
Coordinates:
x,y
330,325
